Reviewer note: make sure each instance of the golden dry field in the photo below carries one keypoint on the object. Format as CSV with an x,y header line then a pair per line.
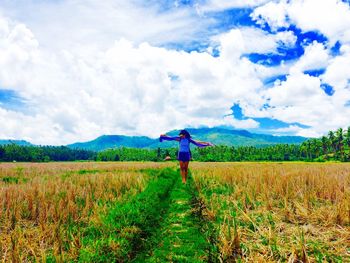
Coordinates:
x,y
288,212
250,212
44,206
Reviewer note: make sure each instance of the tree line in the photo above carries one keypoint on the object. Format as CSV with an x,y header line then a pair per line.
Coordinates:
x,y
334,146
13,152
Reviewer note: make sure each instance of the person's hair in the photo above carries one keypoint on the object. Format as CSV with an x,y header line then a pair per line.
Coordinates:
x,y
186,133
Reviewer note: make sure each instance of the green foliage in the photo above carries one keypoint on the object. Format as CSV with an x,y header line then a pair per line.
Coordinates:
x,y
282,152
10,179
14,152
335,146
135,154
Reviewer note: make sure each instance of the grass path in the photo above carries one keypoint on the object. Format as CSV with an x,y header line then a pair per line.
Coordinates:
x,y
178,238
156,225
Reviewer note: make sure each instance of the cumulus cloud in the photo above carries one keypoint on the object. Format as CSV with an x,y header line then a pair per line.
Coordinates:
x,y
300,99
273,13
129,82
297,130
329,17
338,71
247,40
316,56
126,89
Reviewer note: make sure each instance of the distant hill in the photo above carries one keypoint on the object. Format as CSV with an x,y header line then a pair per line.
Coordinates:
x,y
17,142
218,136
111,141
231,137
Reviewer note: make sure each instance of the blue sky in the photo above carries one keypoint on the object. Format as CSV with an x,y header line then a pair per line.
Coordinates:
x,y
10,100
72,71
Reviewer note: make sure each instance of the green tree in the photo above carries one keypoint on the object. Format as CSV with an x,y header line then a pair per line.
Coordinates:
x,y
340,143
332,141
325,145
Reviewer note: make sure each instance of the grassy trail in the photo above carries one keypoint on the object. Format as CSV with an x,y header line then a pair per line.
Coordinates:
x,y
178,238
156,225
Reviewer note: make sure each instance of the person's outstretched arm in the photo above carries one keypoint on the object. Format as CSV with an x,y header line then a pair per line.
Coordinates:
x,y
201,144
165,137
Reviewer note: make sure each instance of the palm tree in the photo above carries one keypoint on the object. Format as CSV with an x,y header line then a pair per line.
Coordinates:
x,y
325,144
332,141
347,138
340,142
315,147
347,142
306,146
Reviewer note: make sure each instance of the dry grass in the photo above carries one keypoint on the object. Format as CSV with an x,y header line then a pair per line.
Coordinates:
x,y
295,212
263,212
44,206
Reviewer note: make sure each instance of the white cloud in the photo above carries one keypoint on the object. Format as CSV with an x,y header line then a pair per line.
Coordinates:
x,y
67,24
218,5
18,52
316,56
297,90
241,124
294,129
273,13
124,89
247,40
329,17
300,99
338,71
84,80
297,130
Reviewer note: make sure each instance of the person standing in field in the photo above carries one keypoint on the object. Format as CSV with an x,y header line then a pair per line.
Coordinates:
x,y
184,155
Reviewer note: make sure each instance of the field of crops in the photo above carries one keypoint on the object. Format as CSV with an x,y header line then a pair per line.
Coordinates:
x,y
141,212
294,212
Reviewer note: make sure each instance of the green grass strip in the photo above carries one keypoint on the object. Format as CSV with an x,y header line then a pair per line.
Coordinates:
x,y
125,229
179,238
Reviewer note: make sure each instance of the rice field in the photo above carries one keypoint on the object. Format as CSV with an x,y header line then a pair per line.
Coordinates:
x,y
45,207
287,212
141,212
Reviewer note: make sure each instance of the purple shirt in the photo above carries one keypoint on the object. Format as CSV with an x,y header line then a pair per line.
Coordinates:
x,y
184,144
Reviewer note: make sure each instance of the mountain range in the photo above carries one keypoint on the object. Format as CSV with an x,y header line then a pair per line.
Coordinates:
x,y
17,142
217,135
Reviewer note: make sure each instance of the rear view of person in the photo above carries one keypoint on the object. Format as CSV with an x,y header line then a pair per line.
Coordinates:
x,y
184,155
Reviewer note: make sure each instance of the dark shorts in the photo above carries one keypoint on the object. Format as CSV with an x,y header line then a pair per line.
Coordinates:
x,y
184,156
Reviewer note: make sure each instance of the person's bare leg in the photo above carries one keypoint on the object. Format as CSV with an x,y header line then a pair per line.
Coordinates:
x,y
182,171
186,170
